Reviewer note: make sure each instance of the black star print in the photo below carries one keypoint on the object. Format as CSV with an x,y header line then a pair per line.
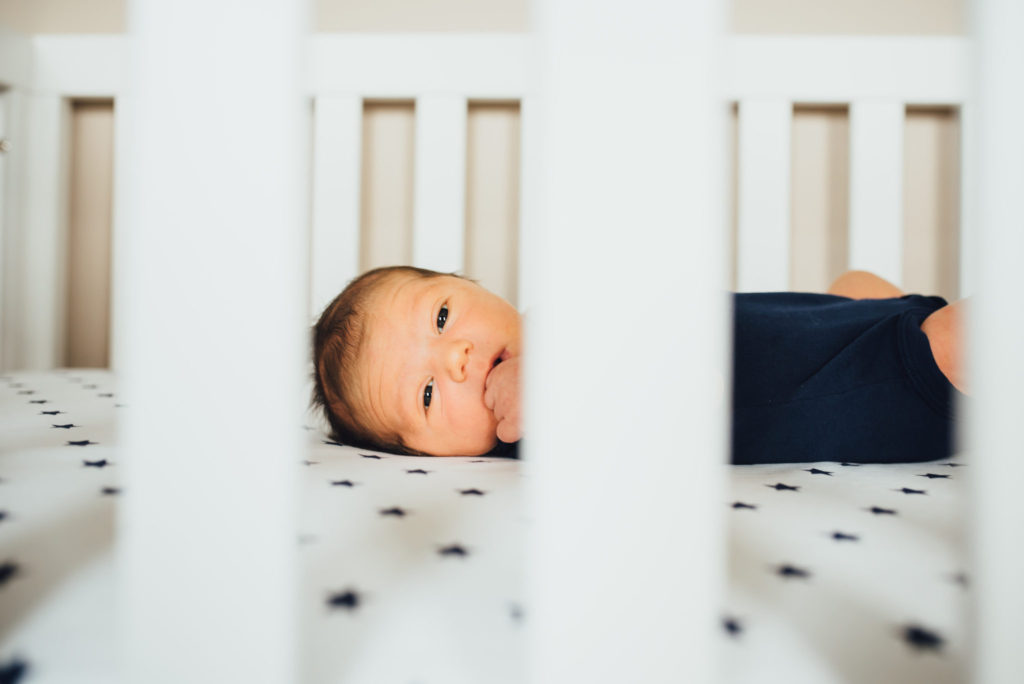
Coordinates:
x,y
815,471
347,599
7,572
907,490
307,427
778,486
954,465
850,464
333,443
515,612
102,463
453,550
396,511
732,626
50,413
26,391
309,463
791,571
842,536
83,442
105,394
66,427
471,492
417,471
921,638
89,386
740,504
881,511
370,456
3,515
961,579
932,476
342,483
12,671
480,460
38,401
110,491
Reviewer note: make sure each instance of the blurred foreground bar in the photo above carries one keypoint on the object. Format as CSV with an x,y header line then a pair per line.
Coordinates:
x,y
213,357
628,343
997,343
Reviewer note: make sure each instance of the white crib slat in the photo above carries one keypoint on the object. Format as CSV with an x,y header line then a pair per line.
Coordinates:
x,y
43,274
765,127
439,213
337,155
876,188
529,153
215,344
621,394
996,341
121,234
12,212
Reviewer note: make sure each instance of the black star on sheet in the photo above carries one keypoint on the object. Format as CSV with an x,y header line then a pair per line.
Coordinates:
x,y
842,536
110,491
961,579
13,670
89,386
732,626
417,471
881,511
850,465
342,483
792,571
8,570
515,612
480,460
908,490
778,486
453,550
394,511
309,463
102,463
348,599
3,515
933,476
954,465
471,492
332,442
38,401
83,442
815,471
740,504
26,391
66,427
370,456
921,638
105,394
50,413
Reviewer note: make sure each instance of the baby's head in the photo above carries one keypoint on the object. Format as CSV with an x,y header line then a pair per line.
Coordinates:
x,y
401,357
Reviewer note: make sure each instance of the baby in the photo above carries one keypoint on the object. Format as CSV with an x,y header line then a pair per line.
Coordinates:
x,y
413,361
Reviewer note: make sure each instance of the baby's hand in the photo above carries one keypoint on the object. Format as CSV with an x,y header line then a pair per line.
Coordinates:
x,y
501,395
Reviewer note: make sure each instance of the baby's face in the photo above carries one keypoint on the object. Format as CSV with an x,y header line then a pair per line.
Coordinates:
x,y
429,346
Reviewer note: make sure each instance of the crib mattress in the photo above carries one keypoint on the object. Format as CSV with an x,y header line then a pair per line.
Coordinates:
x,y
412,568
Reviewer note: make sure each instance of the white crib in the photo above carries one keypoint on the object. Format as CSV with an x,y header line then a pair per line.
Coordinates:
x,y
877,78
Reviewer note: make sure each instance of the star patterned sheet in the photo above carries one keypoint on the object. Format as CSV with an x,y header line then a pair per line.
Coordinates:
x,y
411,569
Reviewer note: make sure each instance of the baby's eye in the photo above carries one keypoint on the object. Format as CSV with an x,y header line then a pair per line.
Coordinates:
x,y
428,392
442,317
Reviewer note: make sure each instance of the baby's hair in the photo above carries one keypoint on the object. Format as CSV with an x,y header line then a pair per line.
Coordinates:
x,y
338,339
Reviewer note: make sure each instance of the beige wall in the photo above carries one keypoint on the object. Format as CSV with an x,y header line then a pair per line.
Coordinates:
x,y
746,16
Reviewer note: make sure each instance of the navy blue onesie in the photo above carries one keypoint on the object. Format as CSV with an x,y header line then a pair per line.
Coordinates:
x,y
825,378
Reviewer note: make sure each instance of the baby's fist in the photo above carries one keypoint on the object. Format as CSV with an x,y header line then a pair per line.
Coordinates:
x,y
501,396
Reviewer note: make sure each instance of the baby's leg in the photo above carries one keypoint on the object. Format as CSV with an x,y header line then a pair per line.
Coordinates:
x,y
944,329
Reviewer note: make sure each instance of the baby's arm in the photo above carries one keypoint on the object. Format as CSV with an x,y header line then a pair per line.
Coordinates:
x,y
501,395
863,285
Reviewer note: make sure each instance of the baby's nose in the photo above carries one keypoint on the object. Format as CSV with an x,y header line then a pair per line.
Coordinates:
x,y
458,359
